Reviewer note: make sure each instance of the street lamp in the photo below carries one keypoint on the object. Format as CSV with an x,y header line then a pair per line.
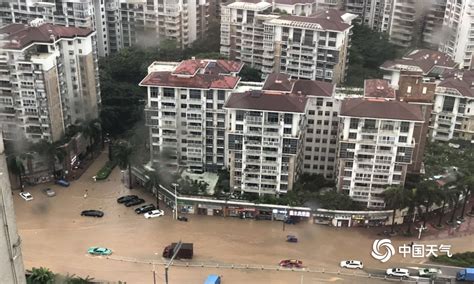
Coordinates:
x,y
175,185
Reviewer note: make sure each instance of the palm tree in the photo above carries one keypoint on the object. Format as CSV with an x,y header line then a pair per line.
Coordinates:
x,y
412,204
92,130
453,193
41,275
428,193
15,164
444,194
154,183
52,152
395,198
468,185
122,152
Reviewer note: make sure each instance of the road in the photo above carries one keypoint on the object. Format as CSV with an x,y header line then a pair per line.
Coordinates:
x,y
55,235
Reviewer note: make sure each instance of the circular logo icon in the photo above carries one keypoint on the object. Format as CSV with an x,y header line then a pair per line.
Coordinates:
x,y
382,250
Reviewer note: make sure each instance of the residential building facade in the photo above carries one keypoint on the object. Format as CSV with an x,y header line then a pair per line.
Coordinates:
x,y
304,47
453,110
265,136
49,79
456,39
185,114
12,269
376,146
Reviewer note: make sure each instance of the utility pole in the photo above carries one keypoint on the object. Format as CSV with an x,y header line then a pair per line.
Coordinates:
x,y
175,185
175,252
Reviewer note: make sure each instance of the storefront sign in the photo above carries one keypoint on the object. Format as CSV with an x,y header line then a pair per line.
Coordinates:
x,y
299,213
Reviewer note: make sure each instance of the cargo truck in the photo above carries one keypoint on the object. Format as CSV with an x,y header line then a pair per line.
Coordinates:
x,y
466,274
186,251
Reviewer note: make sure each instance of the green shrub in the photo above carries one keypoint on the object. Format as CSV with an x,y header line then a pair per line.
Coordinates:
x,y
105,171
465,259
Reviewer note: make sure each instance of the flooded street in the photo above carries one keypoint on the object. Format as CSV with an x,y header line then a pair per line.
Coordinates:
x,y
54,235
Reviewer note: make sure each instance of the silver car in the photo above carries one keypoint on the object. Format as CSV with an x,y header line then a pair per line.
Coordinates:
x,y
49,192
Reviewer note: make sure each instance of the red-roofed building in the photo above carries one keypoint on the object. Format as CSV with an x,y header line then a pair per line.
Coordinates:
x,y
303,45
48,79
185,112
376,146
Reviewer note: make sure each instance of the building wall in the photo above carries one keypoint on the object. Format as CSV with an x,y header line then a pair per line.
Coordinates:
x,y
54,104
89,91
11,259
411,84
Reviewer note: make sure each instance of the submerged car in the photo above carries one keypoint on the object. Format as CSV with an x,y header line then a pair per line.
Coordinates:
x,y
99,251
429,272
62,182
26,196
145,208
291,263
92,213
126,198
49,192
134,202
398,272
291,239
352,264
154,214
183,218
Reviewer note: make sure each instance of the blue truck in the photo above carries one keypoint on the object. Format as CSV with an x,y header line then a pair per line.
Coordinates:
x,y
213,279
466,274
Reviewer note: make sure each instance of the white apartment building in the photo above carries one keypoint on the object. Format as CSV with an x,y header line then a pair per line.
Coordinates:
x,y
118,23
48,79
304,47
321,120
375,147
369,12
453,110
12,269
265,132
185,114
458,40
329,4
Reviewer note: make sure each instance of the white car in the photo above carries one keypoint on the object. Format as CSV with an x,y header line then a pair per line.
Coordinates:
x,y
352,264
154,213
429,272
26,196
398,272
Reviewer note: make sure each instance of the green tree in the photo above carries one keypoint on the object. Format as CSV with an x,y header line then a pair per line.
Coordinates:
x,y
40,275
428,193
250,74
395,198
412,203
337,201
92,130
122,153
51,152
453,194
15,164
467,183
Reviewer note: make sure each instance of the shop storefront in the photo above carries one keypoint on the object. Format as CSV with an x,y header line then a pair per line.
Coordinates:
x,y
279,215
339,218
210,210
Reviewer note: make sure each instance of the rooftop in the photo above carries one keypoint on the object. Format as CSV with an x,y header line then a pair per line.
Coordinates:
x,y
282,83
460,80
192,66
425,60
381,109
333,20
267,101
18,36
199,81
377,88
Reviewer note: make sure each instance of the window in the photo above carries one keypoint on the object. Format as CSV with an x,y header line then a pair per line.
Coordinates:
x,y
311,112
221,95
309,130
310,121
307,148
424,90
402,139
409,89
288,118
307,157
329,104
309,140
354,123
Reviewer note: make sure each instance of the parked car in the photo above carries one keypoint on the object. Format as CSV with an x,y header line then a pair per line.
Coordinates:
x,y
183,218
99,251
291,263
62,182
145,208
429,272
398,272
154,213
49,192
126,198
352,264
291,239
134,202
92,213
290,221
26,196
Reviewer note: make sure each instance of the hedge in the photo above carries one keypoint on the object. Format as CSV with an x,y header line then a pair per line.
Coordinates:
x,y
465,259
105,171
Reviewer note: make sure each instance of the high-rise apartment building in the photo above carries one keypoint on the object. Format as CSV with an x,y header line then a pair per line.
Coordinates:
x,y
48,79
321,120
265,134
118,23
11,259
453,110
457,38
376,143
185,111
304,47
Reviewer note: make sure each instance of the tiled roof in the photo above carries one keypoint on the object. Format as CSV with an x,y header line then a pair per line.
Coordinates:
x,y
199,81
461,80
192,66
377,88
327,19
278,82
371,108
267,101
19,36
189,67
424,59
293,2
313,88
